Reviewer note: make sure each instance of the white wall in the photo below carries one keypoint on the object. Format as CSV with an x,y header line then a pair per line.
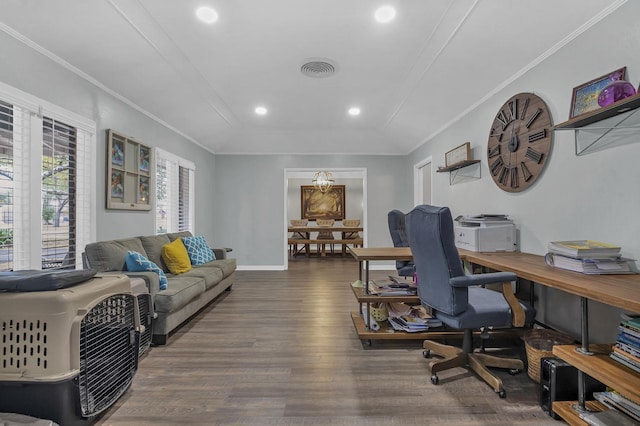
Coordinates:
x,y
31,72
594,196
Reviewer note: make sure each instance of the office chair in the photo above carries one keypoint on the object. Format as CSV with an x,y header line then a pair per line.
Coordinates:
x,y
457,300
396,221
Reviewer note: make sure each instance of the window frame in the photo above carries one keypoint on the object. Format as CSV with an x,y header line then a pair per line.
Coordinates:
x,y
175,219
28,232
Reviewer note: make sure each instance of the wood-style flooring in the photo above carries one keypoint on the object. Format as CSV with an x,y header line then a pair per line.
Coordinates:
x,y
280,349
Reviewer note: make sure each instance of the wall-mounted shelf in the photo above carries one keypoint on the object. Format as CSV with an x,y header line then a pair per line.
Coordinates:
x,y
461,170
616,121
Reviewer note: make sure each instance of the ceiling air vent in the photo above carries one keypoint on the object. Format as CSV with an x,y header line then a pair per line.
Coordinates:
x,y
318,68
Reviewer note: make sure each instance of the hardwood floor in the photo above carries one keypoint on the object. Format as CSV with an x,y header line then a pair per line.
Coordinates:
x,y
280,349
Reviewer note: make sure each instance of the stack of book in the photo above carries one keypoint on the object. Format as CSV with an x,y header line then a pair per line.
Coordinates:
x,y
393,286
588,257
413,324
627,348
617,401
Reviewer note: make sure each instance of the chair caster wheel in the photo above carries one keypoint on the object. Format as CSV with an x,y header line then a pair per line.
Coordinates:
x,y
502,394
514,371
426,353
434,379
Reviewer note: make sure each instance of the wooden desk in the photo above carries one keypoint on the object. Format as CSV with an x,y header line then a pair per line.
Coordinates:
x,y
622,291
304,237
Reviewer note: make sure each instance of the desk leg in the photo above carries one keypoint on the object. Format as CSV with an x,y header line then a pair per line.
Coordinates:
x,y
366,290
584,350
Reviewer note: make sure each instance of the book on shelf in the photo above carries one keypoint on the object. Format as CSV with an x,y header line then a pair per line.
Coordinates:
x,y
584,249
610,417
613,399
413,324
616,265
622,359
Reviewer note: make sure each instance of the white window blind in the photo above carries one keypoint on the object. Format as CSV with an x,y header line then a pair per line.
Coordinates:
x,y
175,178
47,205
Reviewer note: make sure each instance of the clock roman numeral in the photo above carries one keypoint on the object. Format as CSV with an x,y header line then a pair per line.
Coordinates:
x,y
504,175
515,182
534,155
492,152
495,166
524,107
533,117
526,174
494,133
513,110
502,119
538,135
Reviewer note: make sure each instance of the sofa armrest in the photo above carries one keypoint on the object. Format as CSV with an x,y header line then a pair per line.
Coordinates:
x,y
221,253
151,279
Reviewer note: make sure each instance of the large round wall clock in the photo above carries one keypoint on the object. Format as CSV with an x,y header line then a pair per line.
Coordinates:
x,y
519,142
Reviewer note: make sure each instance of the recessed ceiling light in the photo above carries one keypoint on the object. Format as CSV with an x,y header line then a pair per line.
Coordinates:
x,y
261,110
354,111
385,14
207,15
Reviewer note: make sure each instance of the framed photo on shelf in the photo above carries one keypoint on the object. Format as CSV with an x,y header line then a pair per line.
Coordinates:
x,y
458,154
322,205
585,97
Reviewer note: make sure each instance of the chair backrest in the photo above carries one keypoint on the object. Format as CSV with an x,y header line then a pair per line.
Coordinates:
x,y
396,221
299,222
432,242
325,222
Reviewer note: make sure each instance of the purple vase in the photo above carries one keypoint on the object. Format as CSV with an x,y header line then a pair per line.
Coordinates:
x,y
614,91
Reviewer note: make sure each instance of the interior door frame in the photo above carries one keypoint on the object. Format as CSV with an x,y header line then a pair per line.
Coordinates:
x,y
308,173
418,181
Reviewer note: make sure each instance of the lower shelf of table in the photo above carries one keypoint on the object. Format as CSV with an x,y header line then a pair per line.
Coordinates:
x,y
388,333
566,410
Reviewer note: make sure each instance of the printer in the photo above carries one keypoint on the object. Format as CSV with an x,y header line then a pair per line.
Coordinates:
x,y
485,232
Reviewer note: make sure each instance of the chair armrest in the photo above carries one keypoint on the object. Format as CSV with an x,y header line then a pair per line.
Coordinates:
x,y
505,278
482,279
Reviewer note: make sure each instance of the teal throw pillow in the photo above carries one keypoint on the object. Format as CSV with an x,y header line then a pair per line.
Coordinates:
x,y
138,263
198,250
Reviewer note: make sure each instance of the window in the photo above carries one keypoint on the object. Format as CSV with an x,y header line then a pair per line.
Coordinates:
x,y
46,159
175,178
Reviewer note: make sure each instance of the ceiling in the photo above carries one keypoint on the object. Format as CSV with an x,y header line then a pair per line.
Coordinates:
x,y
411,77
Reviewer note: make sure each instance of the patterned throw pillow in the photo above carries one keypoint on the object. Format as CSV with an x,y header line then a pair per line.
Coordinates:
x,y
198,249
176,258
138,263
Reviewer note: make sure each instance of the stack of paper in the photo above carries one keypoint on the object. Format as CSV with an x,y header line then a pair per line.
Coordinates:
x,y
588,257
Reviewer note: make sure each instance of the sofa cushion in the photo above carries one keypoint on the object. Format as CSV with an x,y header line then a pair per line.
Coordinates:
x,y
212,275
226,265
175,235
180,291
105,256
136,262
198,249
153,246
176,258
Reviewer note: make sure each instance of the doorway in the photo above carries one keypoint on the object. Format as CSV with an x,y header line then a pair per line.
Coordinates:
x,y
422,182
355,181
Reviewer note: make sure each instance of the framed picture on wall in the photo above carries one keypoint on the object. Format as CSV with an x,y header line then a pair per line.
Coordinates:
x,y
322,205
129,178
585,96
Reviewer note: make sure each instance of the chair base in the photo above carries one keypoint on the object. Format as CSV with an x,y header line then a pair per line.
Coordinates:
x,y
478,362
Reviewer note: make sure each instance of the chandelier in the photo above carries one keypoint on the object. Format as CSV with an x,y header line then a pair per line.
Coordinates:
x,y
323,181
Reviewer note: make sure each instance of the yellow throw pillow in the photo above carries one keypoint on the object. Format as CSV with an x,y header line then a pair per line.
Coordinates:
x,y
176,257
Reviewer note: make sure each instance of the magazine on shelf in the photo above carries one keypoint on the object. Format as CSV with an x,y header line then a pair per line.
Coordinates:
x,y
392,287
584,249
618,265
610,417
615,400
625,361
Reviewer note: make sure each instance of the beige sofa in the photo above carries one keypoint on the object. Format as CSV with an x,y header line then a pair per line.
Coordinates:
x,y
186,293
